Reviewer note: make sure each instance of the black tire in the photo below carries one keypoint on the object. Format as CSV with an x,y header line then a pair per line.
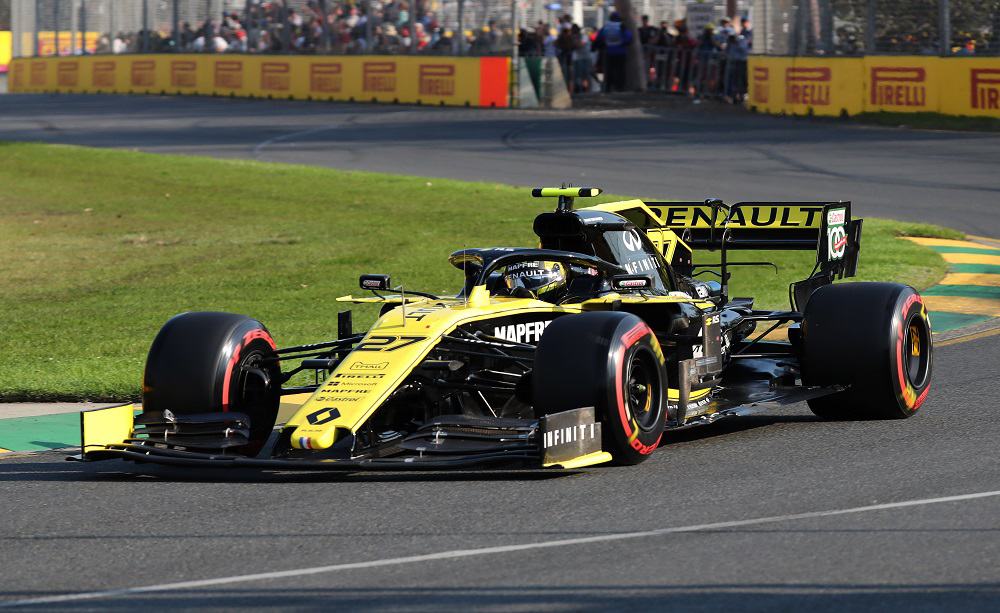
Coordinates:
x,y
197,364
590,359
875,337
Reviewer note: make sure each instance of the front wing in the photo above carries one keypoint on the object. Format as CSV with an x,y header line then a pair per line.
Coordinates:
x,y
567,440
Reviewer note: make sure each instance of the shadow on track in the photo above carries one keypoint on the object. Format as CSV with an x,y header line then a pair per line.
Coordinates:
x,y
116,470
702,597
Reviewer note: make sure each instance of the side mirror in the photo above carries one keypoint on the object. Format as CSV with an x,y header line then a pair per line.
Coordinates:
x,y
374,282
714,289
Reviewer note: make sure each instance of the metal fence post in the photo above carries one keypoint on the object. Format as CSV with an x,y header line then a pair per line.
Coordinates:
x,y
327,36
944,27
515,61
55,27
248,25
369,27
870,26
112,36
175,18
38,19
286,30
412,14
73,25
145,27
461,27
83,27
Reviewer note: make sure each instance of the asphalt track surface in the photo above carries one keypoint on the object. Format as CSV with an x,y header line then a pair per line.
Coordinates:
x,y
719,507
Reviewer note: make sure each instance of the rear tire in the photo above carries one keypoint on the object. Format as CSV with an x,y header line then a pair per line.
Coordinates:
x,y
874,337
610,361
206,362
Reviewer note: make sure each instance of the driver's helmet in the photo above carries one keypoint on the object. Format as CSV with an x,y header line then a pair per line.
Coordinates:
x,y
545,280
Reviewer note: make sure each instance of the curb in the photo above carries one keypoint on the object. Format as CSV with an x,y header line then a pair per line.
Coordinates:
x,y
56,426
967,300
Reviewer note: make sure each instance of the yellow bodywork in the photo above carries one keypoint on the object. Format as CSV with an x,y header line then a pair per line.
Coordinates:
x,y
404,336
102,427
598,457
397,343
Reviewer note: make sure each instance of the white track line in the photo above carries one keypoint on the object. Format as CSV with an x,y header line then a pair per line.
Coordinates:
x,y
467,553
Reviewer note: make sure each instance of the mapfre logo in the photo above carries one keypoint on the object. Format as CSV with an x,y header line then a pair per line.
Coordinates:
x,y
379,77
808,85
761,81
143,73
103,74
229,75
899,86
437,80
276,76
67,74
530,332
985,88
183,73
326,78
36,78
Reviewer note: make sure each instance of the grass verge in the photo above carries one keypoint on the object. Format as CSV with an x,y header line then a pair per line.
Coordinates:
x,y
101,247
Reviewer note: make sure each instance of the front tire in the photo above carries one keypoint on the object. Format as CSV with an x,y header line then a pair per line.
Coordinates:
x,y
204,362
875,338
611,361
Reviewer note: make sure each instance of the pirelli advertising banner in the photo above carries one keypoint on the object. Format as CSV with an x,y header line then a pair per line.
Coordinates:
x,y
836,86
424,80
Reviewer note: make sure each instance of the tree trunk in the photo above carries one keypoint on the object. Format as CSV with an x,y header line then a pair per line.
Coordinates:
x,y
635,67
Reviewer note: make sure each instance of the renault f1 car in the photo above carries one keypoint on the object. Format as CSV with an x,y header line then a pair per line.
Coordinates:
x,y
590,348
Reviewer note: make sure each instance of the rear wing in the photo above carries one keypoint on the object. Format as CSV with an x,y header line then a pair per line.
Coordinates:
x,y
824,227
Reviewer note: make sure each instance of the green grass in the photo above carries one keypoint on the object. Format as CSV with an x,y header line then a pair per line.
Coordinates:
x,y
930,121
100,247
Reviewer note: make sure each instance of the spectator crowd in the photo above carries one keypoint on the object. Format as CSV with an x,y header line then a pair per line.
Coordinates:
x,y
274,27
713,63
708,63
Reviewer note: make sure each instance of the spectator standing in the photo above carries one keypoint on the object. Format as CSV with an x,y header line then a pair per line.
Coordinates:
x,y
706,50
583,63
747,31
647,32
567,42
613,40
737,51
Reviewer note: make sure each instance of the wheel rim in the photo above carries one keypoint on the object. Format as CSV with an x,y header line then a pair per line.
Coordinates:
x,y
916,350
642,391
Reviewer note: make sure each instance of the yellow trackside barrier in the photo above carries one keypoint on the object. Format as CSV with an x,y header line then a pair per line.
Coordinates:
x,y
421,80
836,86
803,85
5,50
973,86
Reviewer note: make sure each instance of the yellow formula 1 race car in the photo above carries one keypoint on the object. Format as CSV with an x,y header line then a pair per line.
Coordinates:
x,y
588,349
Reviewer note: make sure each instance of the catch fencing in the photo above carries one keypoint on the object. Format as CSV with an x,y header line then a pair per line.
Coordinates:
x,y
693,73
868,27
435,27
